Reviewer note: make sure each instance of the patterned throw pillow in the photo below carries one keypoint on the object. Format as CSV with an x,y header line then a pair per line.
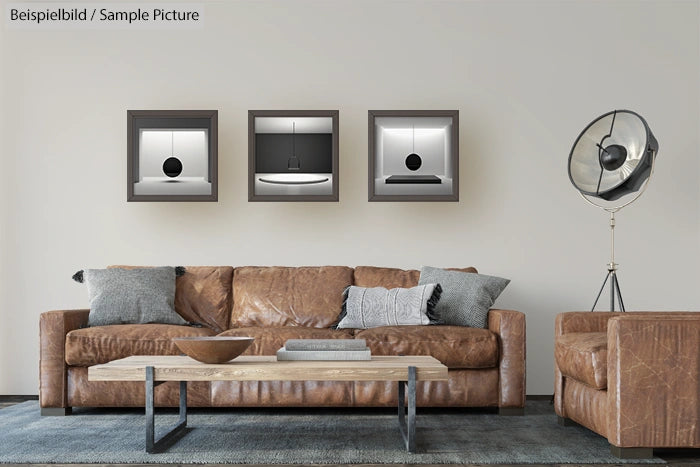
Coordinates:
x,y
131,296
466,297
365,308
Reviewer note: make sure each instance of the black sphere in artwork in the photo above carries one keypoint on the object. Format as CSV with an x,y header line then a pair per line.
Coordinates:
x,y
172,167
413,161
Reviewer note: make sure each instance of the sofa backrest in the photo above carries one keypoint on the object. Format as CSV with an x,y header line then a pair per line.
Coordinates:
x,y
597,321
371,276
203,295
220,297
288,296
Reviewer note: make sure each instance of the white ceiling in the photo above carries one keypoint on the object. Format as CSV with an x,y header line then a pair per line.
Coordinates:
x,y
284,124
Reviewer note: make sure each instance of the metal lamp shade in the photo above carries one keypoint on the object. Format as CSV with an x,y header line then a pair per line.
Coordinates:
x,y
613,155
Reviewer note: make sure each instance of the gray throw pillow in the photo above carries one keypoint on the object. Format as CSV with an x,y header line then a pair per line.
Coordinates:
x,y
365,308
131,296
466,297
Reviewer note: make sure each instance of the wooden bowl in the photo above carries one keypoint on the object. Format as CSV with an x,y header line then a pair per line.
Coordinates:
x,y
213,349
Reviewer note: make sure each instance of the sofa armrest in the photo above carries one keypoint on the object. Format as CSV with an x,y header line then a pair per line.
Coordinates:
x,y
53,327
575,321
509,325
654,380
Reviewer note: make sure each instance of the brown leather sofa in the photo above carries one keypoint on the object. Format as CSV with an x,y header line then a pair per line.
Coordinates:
x,y
273,304
633,378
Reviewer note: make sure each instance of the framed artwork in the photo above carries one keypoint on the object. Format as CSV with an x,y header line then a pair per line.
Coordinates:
x,y
413,155
172,155
293,155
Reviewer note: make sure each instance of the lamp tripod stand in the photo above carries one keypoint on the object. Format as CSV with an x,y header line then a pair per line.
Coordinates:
x,y
612,272
612,265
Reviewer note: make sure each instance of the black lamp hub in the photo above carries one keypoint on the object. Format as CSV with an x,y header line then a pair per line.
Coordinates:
x,y
613,156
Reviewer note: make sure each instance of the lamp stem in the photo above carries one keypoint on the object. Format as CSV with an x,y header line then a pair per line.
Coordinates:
x,y
612,266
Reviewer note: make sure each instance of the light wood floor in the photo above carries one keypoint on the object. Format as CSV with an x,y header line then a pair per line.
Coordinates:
x,y
674,457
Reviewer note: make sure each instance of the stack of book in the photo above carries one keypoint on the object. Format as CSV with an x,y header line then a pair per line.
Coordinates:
x,y
324,349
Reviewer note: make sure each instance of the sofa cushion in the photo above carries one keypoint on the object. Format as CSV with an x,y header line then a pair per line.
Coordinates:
x,y
466,297
390,278
455,346
371,307
268,340
100,344
203,295
287,296
583,356
131,296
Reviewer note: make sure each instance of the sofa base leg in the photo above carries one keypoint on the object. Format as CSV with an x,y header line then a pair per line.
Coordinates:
x,y
563,421
55,411
632,453
508,411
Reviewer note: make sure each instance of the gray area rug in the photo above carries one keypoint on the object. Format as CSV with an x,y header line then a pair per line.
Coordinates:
x,y
296,436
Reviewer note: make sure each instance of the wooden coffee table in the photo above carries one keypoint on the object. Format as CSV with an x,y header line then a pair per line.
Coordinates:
x,y
154,370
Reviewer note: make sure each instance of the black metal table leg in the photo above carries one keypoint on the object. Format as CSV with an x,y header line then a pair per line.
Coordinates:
x,y
153,445
408,427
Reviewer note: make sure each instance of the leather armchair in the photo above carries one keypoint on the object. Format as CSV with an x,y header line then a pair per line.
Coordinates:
x,y
633,378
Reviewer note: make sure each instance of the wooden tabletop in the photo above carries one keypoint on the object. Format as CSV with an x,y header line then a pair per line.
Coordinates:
x,y
267,368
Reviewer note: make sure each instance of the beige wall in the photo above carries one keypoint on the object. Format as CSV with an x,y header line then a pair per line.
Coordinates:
x,y
526,76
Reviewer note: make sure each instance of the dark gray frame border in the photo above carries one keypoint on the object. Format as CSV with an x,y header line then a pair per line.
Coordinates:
x,y
454,114
132,163
334,114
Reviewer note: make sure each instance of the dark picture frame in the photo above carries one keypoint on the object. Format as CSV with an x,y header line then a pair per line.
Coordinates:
x,y
410,165
163,168
293,155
